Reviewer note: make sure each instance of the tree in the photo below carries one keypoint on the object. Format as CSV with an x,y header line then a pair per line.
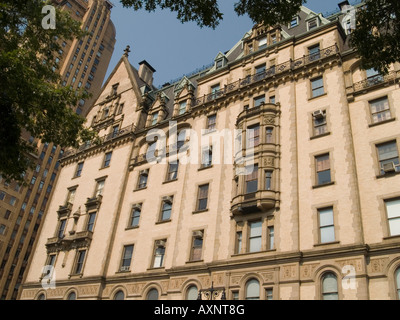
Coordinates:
x,y
31,97
377,35
376,38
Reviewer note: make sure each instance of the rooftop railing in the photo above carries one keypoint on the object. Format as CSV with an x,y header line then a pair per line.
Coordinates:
x,y
269,73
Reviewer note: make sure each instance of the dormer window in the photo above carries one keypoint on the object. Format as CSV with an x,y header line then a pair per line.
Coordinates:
x,y
106,112
312,24
219,64
262,43
294,22
154,119
114,89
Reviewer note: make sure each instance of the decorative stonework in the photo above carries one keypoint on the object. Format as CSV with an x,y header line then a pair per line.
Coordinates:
x,y
176,284
88,290
268,276
205,281
307,271
269,162
269,120
377,265
356,263
288,272
218,279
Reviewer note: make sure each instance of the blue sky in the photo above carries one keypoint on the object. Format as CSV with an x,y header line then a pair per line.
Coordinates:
x,y
175,49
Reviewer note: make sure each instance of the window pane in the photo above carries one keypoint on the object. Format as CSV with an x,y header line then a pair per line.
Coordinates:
x,y
192,293
393,208
152,295
398,282
394,225
327,234
326,217
119,296
387,151
329,287
253,290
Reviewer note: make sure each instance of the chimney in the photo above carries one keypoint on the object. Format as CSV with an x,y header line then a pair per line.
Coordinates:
x,y
342,4
146,72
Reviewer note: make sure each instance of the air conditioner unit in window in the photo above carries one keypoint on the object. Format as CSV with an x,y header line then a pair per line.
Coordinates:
x,y
319,114
161,243
389,167
198,234
125,268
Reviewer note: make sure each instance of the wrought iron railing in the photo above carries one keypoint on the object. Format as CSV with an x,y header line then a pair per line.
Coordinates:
x,y
99,141
273,71
375,80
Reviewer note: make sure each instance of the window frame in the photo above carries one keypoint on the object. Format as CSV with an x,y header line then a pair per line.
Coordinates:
x,y
318,180
107,160
155,255
388,219
166,203
315,90
323,277
371,104
137,208
254,237
198,200
381,162
79,265
124,258
331,226
193,247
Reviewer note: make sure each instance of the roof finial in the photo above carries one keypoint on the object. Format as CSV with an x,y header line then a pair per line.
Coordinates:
x,y
126,51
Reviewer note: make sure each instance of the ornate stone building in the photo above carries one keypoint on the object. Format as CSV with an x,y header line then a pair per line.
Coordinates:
x,y
82,64
272,175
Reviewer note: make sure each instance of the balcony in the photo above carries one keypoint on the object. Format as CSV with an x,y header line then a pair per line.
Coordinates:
x,y
99,141
78,240
254,202
93,203
65,210
377,81
269,74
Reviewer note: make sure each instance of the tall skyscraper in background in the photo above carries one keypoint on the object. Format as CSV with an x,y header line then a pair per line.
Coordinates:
x,y
82,63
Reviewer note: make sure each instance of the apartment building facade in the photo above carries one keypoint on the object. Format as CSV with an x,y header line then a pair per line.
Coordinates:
x,y
82,64
273,175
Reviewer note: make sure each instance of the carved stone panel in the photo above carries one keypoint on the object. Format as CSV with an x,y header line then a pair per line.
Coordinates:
x,y
377,265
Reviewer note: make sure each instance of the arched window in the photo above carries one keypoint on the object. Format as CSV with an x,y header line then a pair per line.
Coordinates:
x,y
253,290
192,293
72,296
119,295
330,287
397,277
152,294
41,297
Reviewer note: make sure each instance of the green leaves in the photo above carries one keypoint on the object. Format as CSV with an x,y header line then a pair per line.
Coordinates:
x,y
377,36
31,98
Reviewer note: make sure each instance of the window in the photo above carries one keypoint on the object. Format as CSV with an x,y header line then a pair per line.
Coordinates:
x,y
99,188
260,72
107,160
380,110
211,122
197,246
91,220
371,73
181,139
317,87
270,135
119,295
252,179
80,261
192,293
206,156
253,136
393,215
166,208
312,24
7,214
388,157
253,290
172,171
115,131
2,229
271,238
219,63
152,295
323,168
294,22
135,216
269,294
13,200
154,119
202,198
326,225
262,43
71,296
319,123
71,196
2,195
255,236
126,258
215,91
182,108
159,254
314,53
61,228
268,180
259,101
143,177
239,241
79,168
330,287
397,278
